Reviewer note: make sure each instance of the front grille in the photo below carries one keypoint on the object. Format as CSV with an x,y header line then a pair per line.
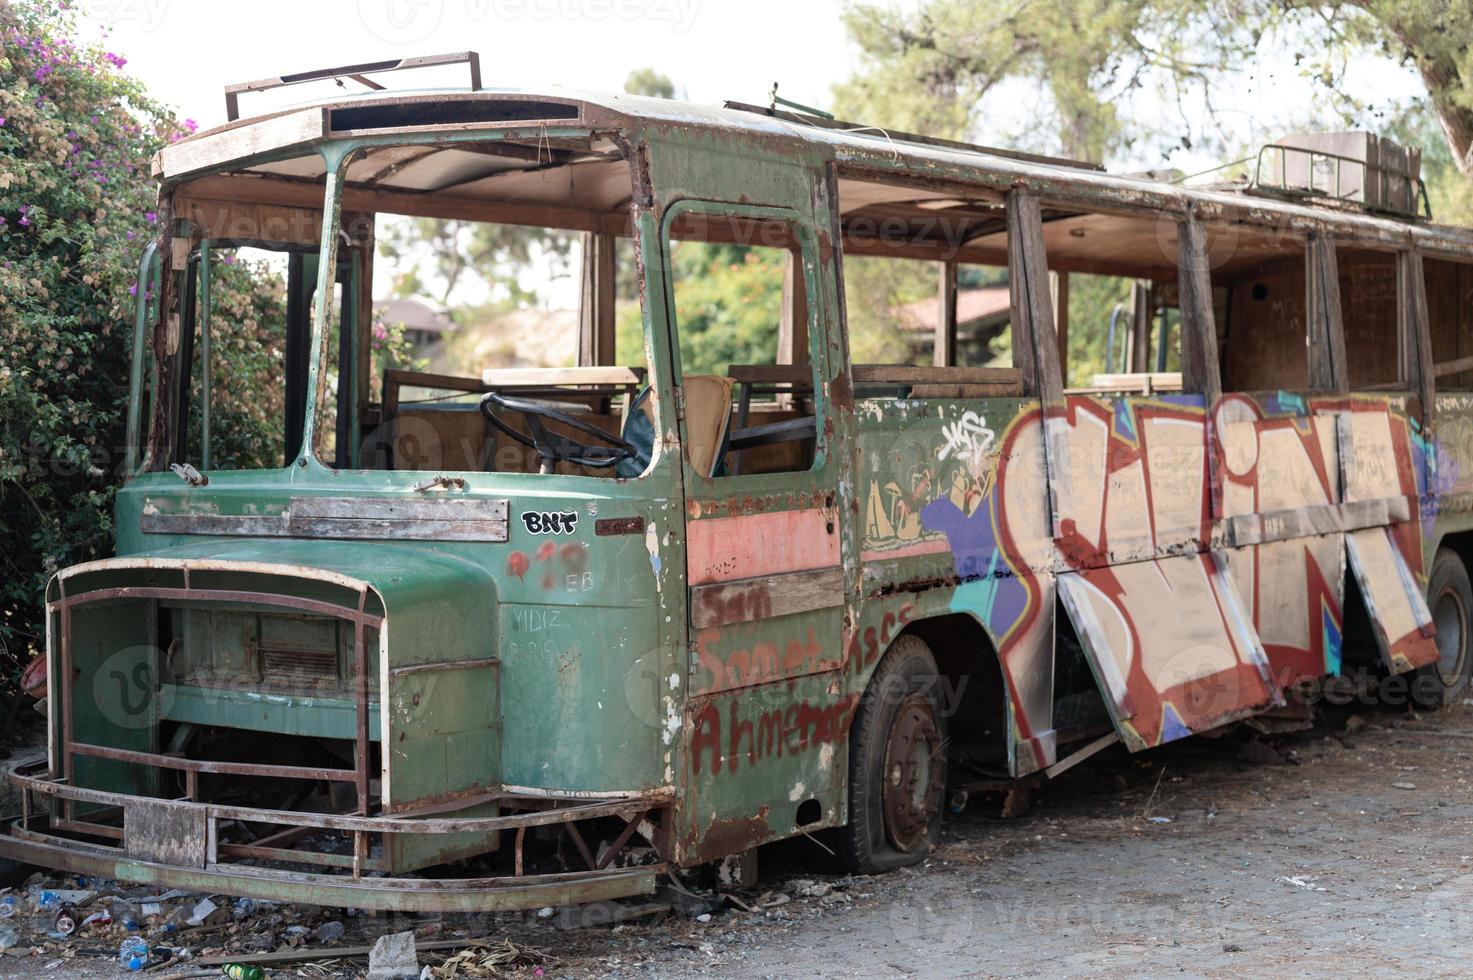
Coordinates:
x,y
299,666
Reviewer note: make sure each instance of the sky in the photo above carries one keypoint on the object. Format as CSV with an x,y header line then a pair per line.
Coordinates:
x,y
186,51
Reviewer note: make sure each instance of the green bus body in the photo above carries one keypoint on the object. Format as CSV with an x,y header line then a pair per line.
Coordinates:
x,y
681,662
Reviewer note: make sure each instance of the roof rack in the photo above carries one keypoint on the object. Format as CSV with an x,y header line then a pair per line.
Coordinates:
x,y
359,73
813,117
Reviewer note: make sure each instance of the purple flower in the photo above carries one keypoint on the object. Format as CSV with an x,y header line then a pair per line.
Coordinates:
x,y
150,217
24,222
190,126
116,60
133,289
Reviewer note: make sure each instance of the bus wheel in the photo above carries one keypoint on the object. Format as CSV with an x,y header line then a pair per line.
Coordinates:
x,y
897,763
1450,598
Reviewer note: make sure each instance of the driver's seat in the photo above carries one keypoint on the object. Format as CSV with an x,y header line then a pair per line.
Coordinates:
x,y
707,426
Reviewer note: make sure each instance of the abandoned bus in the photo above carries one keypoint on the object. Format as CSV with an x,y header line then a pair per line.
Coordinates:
x,y
512,623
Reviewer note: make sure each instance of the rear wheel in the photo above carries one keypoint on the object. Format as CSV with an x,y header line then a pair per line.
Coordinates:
x,y
897,763
1450,597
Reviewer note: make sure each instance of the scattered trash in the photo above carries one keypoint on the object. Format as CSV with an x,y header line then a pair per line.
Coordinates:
x,y
1160,819
808,888
66,920
394,957
202,911
493,959
1403,785
243,971
704,917
329,932
9,936
134,953
606,914
97,920
1298,882
50,899
8,905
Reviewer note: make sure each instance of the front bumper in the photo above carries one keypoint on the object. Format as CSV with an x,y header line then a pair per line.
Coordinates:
x,y
176,844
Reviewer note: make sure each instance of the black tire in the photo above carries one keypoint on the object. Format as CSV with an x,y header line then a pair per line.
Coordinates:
x,y
1450,597
900,710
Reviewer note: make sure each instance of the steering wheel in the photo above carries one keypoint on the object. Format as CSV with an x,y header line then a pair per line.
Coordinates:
x,y
554,447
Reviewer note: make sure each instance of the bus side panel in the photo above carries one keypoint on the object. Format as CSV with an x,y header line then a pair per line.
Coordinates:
x,y
954,500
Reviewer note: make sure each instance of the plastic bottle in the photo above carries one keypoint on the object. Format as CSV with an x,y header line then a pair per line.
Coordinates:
x,y
243,971
134,953
9,904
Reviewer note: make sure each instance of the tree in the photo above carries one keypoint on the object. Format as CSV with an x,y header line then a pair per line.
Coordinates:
x,y
1432,35
939,67
648,81
76,199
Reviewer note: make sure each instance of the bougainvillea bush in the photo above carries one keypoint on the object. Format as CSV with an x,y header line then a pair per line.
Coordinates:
x,y
76,208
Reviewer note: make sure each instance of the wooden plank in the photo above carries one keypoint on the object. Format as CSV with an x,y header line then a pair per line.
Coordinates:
x,y
1033,319
239,143
1326,326
596,314
1302,522
763,597
534,377
1148,382
401,509
1059,288
1140,328
904,374
944,352
1417,336
1457,366
1199,364
991,390
792,333
795,374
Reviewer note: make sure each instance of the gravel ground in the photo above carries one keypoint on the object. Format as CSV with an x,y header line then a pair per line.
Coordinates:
x,y
1341,851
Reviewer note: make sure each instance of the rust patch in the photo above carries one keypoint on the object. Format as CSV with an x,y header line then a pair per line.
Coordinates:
x,y
618,525
735,835
840,392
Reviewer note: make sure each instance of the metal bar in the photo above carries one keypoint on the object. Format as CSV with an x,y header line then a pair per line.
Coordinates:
x,y
360,698
258,852
213,768
89,828
374,824
236,89
389,894
64,655
135,368
204,353
521,833
215,595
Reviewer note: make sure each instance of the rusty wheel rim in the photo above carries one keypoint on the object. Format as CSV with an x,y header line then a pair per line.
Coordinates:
x,y
913,776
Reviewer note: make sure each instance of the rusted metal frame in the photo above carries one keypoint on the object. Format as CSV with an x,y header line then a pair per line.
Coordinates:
x,y
88,827
160,449
391,894
354,862
68,709
346,822
214,768
596,321
356,72
214,595
1326,327
1416,335
361,745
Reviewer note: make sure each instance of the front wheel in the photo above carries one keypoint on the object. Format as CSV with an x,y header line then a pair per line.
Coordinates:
x,y
897,763
1450,597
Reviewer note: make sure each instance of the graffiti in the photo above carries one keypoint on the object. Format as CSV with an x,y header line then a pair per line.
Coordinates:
x,y
757,662
968,437
788,730
864,646
550,522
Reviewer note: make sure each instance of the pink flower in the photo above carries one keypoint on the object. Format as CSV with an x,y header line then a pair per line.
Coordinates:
x,y
190,126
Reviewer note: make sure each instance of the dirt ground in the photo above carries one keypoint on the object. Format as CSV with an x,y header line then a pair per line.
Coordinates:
x,y
1341,851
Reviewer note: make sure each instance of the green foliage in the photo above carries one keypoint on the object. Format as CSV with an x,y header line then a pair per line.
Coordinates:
x,y
433,256
874,291
76,135
728,305
648,81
